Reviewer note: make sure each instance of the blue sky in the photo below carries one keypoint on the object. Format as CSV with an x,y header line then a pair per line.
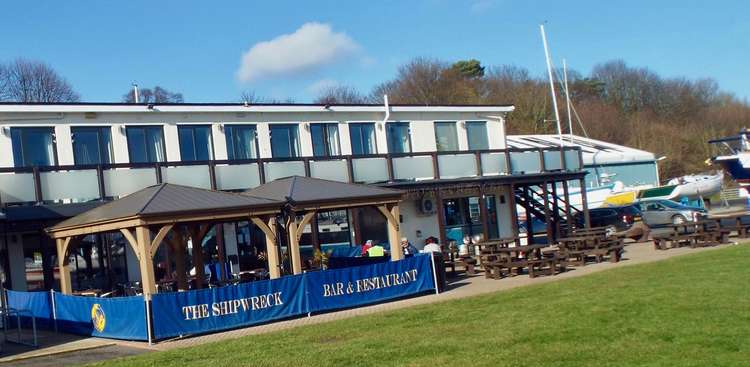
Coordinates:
x,y
197,48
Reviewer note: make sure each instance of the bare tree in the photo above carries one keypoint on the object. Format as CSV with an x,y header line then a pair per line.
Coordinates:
x,y
340,94
155,95
251,97
33,81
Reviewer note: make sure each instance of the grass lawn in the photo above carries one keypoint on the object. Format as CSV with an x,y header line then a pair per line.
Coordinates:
x,y
692,310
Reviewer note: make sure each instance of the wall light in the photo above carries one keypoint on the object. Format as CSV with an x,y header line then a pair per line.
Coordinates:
x,y
5,130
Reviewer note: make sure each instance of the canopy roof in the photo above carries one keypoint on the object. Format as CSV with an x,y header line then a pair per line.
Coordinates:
x,y
314,193
169,200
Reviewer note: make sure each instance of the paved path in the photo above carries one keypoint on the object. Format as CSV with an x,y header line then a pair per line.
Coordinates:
x,y
99,349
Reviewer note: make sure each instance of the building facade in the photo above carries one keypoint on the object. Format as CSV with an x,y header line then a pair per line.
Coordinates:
x,y
461,176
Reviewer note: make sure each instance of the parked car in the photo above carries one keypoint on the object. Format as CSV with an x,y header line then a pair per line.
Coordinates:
x,y
621,218
660,212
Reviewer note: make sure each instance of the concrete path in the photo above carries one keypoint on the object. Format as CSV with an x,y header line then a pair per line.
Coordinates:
x,y
94,349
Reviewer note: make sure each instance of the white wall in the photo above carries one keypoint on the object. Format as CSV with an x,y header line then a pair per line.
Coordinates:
x,y
504,215
423,136
414,221
220,141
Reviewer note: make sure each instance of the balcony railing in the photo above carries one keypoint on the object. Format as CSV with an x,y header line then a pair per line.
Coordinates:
x,y
85,183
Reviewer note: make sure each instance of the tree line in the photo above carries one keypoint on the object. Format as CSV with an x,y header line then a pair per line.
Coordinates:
x,y
615,102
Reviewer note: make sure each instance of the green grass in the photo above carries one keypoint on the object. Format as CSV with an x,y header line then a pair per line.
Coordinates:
x,y
692,310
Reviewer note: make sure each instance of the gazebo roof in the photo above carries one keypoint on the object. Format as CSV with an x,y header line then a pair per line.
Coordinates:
x,y
307,192
167,199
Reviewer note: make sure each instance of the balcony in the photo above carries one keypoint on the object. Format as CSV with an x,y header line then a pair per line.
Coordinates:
x,y
66,184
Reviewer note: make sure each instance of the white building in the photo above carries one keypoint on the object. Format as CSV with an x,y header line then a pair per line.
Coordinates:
x,y
461,174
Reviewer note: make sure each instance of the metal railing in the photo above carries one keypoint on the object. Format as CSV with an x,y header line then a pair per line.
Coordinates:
x,y
80,183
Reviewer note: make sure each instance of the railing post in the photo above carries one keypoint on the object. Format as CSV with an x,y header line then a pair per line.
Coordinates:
x,y
306,162
580,159
261,172
37,185
350,169
212,174
542,164
435,166
389,163
508,162
157,167
100,178
478,160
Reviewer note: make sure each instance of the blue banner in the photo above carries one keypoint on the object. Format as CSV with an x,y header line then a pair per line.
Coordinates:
x,y
343,288
201,311
117,318
38,303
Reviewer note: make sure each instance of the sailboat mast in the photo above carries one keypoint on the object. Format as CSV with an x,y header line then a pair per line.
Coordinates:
x,y
567,99
551,84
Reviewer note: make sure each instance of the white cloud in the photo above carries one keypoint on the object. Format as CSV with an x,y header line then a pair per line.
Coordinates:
x,y
311,46
480,6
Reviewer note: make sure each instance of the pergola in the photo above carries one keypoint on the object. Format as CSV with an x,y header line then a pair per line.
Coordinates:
x,y
304,197
177,213
164,209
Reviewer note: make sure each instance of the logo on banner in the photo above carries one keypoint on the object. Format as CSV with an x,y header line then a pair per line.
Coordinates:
x,y
98,318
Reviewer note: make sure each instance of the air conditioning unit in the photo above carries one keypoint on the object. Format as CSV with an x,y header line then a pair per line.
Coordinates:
x,y
427,205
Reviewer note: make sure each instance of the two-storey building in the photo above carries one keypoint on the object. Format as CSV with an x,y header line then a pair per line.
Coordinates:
x,y
461,176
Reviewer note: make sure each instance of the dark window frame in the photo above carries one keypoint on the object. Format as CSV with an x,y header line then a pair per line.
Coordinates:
x,y
102,151
468,136
326,138
408,134
292,126
455,129
145,127
234,150
375,136
22,129
193,128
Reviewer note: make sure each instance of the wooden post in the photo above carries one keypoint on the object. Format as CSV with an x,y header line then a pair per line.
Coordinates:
x,y
197,233
483,214
555,209
272,248
547,215
392,215
441,216
295,233
143,238
585,203
219,232
179,244
66,286
568,214
529,221
513,212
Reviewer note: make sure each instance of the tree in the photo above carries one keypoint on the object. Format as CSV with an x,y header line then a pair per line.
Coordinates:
x,y
429,82
340,94
469,68
33,81
156,95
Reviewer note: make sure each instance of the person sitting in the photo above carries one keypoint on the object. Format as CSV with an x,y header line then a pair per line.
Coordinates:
x,y
431,245
407,248
366,247
376,251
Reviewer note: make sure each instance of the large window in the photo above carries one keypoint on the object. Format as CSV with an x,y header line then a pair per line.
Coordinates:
x,y
92,145
241,141
325,139
398,137
363,138
476,132
284,141
145,144
33,146
195,142
446,136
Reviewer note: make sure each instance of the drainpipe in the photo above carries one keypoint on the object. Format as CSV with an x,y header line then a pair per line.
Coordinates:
x,y
387,109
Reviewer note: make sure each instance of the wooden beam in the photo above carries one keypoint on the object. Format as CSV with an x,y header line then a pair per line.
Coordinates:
x,y
568,214
549,221
197,254
272,248
292,228
304,222
154,246
394,234
585,203
148,282
387,214
177,242
132,241
66,286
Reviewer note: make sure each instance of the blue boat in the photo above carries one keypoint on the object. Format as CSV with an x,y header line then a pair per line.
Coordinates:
x,y
734,156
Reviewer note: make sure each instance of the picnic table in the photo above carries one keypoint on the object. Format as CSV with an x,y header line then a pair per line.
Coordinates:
x,y
593,242
500,259
707,232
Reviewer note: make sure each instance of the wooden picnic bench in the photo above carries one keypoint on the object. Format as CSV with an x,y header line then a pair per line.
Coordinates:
x,y
702,233
504,260
594,242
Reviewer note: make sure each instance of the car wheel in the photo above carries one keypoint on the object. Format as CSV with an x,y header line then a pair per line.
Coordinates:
x,y
678,219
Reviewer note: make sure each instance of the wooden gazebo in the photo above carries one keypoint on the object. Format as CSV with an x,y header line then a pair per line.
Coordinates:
x,y
185,212
304,197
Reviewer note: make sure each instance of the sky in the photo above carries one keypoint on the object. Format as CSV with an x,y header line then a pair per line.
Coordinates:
x,y
212,51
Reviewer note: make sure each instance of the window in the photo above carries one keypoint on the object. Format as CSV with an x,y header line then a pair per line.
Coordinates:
x,y
241,141
363,138
325,139
446,137
33,146
92,145
284,141
476,132
195,142
145,144
399,140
